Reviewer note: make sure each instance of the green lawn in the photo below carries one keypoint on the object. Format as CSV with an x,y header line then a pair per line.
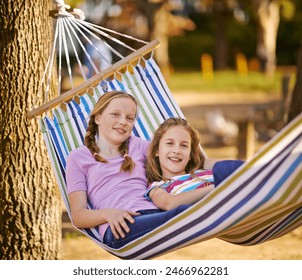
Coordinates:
x,y
229,81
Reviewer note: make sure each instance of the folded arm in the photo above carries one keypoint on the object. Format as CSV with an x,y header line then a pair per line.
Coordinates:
x,y
166,201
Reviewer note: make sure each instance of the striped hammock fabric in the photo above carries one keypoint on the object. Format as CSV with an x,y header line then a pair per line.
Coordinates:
x,y
261,201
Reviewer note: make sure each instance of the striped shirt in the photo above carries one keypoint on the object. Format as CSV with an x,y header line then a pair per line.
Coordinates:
x,y
184,183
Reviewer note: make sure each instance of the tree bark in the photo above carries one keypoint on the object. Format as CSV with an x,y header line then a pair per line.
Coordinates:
x,y
30,204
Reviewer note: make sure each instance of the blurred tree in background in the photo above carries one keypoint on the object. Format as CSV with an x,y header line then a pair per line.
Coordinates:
x,y
222,28
187,29
258,29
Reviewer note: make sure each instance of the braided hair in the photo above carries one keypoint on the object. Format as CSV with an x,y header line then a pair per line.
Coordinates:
x,y
92,130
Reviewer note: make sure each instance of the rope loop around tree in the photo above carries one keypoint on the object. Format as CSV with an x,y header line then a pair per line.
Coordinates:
x,y
62,10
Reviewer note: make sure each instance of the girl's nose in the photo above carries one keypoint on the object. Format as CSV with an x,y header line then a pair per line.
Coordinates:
x,y
176,150
122,120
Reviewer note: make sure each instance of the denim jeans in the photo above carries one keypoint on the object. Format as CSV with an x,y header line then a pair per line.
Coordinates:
x,y
223,169
146,222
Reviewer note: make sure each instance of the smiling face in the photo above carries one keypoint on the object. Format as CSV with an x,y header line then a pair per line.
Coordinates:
x,y
174,151
116,122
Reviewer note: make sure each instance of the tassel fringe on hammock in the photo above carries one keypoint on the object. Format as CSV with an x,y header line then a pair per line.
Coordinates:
x,y
261,201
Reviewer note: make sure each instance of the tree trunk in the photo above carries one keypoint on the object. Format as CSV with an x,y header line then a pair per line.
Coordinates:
x,y
165,26
30,204
221,43
295,107
268,12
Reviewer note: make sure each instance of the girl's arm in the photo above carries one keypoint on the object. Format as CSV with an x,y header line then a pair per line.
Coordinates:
x,y
167,201
87,218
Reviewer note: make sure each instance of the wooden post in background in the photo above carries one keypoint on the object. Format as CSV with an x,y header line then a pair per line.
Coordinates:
x,y
241,64
207,67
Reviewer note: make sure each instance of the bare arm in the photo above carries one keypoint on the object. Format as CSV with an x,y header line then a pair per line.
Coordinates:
x,y
86,218
167,201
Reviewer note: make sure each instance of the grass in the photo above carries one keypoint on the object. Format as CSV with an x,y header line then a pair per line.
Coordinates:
x,y
223,81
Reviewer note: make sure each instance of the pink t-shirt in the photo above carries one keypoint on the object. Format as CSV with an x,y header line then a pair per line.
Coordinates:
x,y
105,185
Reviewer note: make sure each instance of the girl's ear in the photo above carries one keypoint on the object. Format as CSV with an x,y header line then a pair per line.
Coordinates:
x,y
156,154
97,119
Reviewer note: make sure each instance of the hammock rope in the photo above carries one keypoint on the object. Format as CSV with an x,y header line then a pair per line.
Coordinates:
x,y
261,201
73,34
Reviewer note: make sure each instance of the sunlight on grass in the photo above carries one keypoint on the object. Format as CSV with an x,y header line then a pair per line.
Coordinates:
x,y
223,81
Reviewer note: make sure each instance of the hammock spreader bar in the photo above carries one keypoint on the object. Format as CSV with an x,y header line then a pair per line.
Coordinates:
x,y
95,80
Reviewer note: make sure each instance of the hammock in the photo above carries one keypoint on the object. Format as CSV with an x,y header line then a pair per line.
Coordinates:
x,y
260,201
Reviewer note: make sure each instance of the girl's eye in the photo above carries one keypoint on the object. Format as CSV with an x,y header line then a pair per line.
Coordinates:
x,y
130,119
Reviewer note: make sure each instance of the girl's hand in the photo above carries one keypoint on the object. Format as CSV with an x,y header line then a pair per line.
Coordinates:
x,y
116,218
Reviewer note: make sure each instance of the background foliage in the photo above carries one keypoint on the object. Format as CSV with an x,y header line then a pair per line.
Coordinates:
x,y
241,37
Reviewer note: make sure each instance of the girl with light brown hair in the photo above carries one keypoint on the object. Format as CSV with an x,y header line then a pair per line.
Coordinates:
x,y
175,165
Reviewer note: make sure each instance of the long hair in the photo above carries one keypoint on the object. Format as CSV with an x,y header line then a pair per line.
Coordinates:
x,y
154,172
92,130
